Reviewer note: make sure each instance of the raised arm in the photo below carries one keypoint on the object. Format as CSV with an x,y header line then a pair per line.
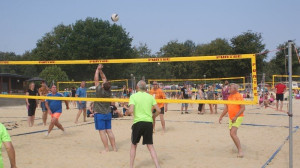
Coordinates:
x,y
103,77
96,77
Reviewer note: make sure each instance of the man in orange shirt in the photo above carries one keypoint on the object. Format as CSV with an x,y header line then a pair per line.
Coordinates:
x,y
157,93
236,116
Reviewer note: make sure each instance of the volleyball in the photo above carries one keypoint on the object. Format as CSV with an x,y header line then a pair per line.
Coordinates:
x,y
114,17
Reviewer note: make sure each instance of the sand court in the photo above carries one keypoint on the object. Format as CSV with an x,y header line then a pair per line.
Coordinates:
x,y
191,140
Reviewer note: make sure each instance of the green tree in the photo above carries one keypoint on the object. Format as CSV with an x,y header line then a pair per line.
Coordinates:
x,y
9,56
214,68
248,43
53,73
177,69
90,39
279,64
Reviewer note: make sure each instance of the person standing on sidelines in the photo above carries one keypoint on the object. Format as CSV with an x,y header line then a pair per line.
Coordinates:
x,y
280,90
5,139
54,108
184,95
200,96
102,111
225,91
158,93
236,116
31,104
81,92
141,104
73,94
210,96
43,91
173,94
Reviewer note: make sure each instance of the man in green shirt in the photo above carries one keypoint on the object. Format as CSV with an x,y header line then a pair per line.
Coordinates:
x,y
141,104
5,139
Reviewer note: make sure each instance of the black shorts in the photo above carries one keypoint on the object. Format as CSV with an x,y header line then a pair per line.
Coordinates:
x,y
279,97
31,109
200,107
162,110
140,129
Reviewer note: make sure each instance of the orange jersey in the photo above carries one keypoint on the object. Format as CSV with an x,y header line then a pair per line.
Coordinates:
x,y
233,109
158,94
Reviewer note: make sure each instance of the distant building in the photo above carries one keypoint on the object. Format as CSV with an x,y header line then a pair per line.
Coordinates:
x,y
12,83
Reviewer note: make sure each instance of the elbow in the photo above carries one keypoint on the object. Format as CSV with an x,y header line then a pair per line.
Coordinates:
x,y
9,147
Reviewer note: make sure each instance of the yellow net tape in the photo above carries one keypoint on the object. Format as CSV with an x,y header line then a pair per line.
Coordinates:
x,y
139,60
274,76
78,82
125,100
205,79
144,60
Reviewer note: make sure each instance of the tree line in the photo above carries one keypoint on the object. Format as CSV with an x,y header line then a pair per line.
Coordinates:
x,y
93,38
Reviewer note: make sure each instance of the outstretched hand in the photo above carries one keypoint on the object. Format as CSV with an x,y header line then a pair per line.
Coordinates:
x,y
100,67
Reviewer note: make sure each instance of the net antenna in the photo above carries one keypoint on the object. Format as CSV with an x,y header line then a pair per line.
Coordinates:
x,y
296,50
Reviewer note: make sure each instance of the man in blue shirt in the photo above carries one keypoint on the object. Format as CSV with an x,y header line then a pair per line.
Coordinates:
x,y
54,108
81,92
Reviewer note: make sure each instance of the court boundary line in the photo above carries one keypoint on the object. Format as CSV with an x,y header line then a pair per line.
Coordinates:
x,y
278,149
188,121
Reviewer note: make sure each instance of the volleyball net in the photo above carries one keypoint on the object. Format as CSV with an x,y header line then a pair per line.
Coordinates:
x,y
168,85
144,60
285,80
116,86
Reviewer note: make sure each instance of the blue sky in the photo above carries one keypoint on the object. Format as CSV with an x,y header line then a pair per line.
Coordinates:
x,y
155,22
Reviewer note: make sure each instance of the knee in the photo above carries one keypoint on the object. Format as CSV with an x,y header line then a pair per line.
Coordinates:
x,y
53,120
149,146
232,134
108,131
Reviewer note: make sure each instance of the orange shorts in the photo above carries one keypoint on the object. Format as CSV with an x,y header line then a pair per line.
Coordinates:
x,y
56,115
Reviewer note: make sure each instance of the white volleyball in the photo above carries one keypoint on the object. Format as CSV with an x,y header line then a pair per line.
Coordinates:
x,y
114,17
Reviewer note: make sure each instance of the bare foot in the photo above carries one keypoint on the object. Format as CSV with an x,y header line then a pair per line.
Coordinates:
x,y
240,155
104,151
76,122
115,149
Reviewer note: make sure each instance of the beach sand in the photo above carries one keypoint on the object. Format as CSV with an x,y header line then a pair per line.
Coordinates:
x,y
191,140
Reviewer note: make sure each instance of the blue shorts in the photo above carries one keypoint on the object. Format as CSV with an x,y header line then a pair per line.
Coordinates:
x,y
184,104
81,106
102,121
43,106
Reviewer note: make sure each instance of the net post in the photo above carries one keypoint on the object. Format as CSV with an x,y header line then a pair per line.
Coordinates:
x,y
273,82
290,105
254,78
